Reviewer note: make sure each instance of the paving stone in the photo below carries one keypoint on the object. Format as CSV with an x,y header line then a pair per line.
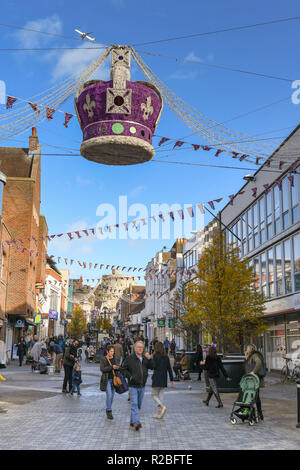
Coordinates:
x,y
187,425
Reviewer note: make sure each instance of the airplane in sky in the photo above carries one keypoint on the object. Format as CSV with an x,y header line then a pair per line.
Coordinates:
x,y
85,35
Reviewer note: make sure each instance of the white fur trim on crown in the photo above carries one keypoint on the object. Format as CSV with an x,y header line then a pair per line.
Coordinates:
x,y
117,150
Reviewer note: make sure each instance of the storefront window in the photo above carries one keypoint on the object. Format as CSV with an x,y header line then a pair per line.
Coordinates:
x,y
287,267
279,284
271,273
275,347
293,335
297,261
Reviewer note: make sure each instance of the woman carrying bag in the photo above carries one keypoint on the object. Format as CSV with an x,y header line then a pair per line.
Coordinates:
x,y
161,367
108,368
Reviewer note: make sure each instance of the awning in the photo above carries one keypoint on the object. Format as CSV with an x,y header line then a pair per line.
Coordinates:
x,y
30,322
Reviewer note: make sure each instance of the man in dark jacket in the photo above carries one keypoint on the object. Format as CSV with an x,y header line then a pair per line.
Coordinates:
x,y
21,350
70,356
135,368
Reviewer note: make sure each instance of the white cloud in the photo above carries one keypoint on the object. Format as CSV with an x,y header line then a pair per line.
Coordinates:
x,y
52,25
82,181
136,191
72,61
78,245
181,75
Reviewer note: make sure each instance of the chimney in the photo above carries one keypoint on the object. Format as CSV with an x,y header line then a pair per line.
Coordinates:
x,y
33,140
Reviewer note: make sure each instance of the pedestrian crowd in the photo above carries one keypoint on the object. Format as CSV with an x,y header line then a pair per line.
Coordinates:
x,y
125,362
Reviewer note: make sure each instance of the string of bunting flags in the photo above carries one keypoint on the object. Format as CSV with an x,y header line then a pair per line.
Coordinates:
x,y
91,265
10,101
78,234
218,151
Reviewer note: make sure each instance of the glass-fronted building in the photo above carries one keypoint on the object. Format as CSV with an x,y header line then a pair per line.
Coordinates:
x,y
267,231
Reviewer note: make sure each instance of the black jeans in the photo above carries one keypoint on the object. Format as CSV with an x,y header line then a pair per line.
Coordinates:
x,y
68,377
258,403
177,370
21,357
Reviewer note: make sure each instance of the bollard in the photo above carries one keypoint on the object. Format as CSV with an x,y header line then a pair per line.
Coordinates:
x,y
298,402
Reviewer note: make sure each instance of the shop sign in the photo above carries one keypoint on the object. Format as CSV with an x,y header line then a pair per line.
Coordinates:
x,y
171,322
53,314
161,322
20,324
37,318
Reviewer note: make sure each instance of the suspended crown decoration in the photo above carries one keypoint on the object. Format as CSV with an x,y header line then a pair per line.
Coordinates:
x,y
118,117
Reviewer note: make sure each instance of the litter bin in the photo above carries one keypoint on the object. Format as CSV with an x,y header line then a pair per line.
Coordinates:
x,y
234,366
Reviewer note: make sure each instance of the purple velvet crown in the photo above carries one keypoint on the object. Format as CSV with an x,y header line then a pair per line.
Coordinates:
x,y
106,111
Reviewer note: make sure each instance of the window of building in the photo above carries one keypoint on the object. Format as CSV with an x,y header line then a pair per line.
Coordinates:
x,y
255,226
244,234
277,222
263,273
256,270
269,215
261,204
287,266
295,199
271,273
250,229
293,333
278,258
285,203
296,240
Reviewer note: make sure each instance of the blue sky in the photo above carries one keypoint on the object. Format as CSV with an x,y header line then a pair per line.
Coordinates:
x,y
72,187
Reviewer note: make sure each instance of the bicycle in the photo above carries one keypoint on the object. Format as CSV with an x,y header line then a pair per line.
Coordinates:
x,y
290,372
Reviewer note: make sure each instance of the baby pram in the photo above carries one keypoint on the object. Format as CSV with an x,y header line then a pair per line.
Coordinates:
x,y
244,407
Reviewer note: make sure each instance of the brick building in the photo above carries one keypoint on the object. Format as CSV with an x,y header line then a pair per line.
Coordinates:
x,y
23,239
130,303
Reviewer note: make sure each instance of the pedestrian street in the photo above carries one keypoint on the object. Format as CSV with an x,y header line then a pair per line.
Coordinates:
x,y
41,417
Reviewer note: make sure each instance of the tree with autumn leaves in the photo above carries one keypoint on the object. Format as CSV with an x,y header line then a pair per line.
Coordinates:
x,y
78,323
104,324
222,299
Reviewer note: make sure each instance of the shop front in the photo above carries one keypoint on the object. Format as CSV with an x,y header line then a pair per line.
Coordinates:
x,y
282,339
